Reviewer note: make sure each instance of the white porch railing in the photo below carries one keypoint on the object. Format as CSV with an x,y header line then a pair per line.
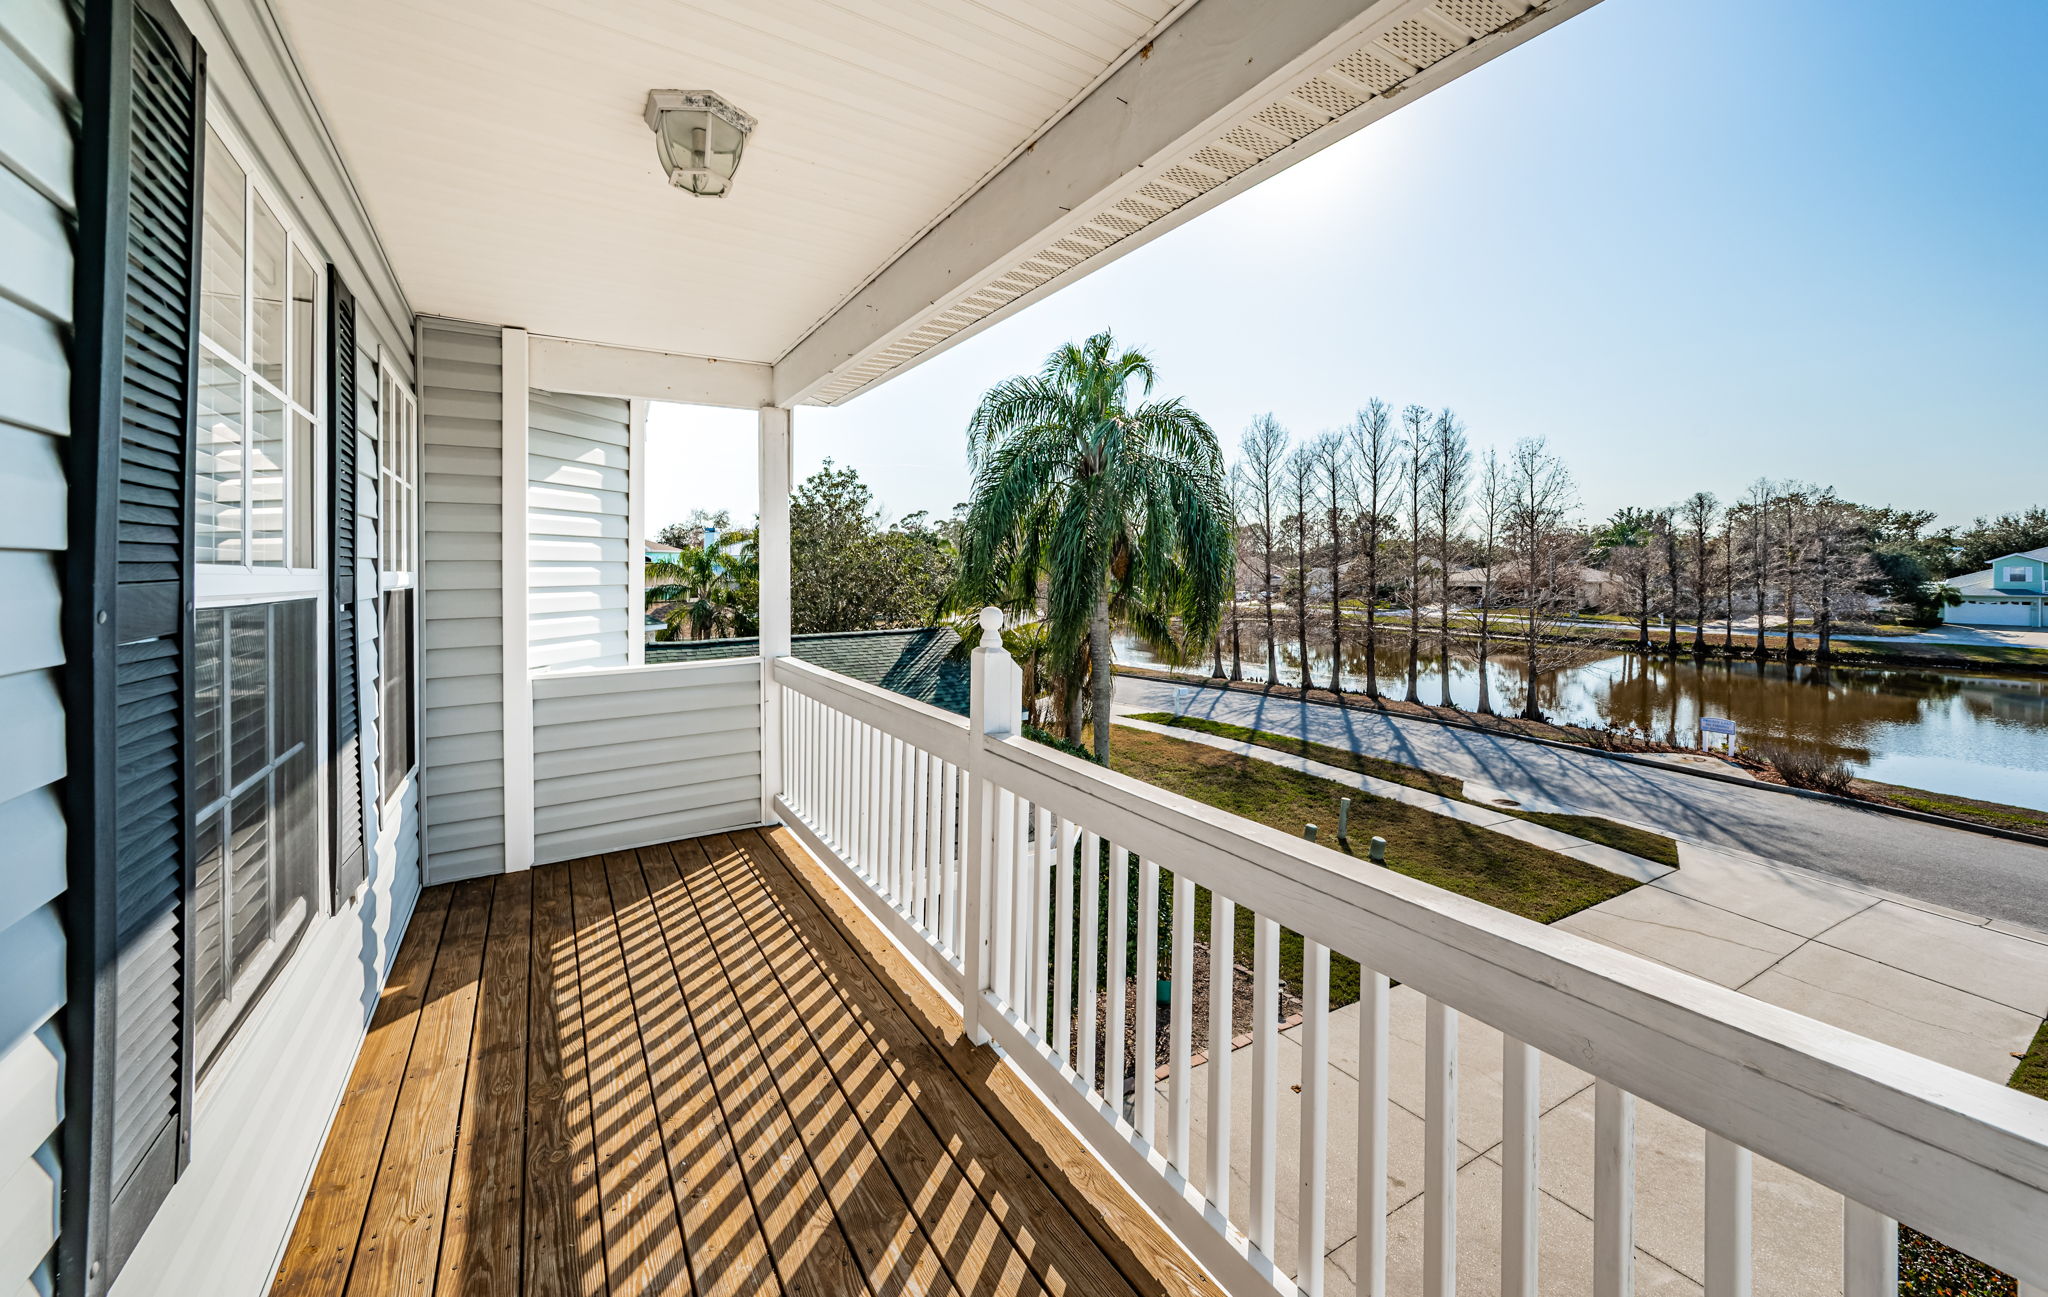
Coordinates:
x,y
965,840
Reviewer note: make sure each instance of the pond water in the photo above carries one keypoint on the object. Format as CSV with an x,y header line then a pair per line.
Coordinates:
x,y
1972,735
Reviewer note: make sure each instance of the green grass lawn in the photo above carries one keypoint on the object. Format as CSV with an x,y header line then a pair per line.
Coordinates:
x,y
1621,837
1513,876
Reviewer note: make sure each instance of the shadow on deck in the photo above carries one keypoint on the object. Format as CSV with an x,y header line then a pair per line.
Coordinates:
x,y
668,1071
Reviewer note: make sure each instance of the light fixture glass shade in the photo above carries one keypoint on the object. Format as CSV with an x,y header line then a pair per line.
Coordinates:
x,y
699,137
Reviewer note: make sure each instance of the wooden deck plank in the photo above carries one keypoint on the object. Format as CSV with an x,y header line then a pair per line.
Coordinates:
x,y
884,1232
401,1242
676,1068
643,1239
722,1239
951,1081
323,1240
804,1238
480,1244
972,1244
564,1254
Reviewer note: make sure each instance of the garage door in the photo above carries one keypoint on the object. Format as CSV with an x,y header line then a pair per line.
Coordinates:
x,y
1990,614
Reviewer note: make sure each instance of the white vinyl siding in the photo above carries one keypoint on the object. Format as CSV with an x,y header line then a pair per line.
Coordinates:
x,y
461,582
36,210
624,758
579,556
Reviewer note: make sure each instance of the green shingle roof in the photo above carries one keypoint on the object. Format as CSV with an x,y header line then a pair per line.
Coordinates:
x,y
917,663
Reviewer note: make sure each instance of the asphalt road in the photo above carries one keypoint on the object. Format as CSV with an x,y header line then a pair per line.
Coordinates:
x,y
1975,873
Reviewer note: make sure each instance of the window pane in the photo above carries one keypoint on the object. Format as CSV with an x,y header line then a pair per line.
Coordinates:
x,y
395,710
220,259
218,505
248,898
267,287
305,332
266,478
294,654
208,936
208,743
302,492
248,691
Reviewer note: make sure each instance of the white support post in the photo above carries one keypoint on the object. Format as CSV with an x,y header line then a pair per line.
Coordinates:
x,y
1870,1252
518,681
773,547
995,693
637,487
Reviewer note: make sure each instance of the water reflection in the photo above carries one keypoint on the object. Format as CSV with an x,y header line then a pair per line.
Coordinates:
x,y
1973,735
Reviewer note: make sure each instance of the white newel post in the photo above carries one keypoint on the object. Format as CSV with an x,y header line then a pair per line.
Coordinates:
x,y
995,700
773,547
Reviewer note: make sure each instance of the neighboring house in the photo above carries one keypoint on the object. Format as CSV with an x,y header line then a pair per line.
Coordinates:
x,y
2013,591
656,552
1467,584
375,917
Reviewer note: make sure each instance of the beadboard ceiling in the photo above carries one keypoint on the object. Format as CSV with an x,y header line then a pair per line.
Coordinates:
x,y
499,148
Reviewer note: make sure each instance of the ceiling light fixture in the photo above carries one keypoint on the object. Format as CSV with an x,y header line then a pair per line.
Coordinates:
x,y
699,137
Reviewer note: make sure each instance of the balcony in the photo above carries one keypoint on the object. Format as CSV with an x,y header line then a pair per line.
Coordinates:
x,y
858,1053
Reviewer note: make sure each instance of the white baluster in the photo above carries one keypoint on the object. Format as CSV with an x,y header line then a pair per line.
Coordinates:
x,y
1222,988
949,855
1728,1218
1116,980
1143,1062
1870,1252
1090,936
1022,943
1520,1157
1181,1024
1315,1117
1063,943
1041,917
1440,1152
1002,921
1265,1170
1614,1190
1373,1007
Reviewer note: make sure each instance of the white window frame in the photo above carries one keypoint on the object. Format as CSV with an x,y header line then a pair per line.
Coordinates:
x,y
220,1039
247,579
400,487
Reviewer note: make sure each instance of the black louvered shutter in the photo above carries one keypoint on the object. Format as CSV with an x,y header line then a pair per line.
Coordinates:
x,y
351,861
128,628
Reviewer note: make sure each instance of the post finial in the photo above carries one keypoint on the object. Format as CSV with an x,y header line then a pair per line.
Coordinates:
x,y
991,621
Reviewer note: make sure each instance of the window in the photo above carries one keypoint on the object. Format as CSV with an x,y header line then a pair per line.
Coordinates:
x,y
255,783
258,658
398,566
2016,576
260,298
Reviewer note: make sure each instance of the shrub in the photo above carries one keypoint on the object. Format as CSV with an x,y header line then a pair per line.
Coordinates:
x,y
1811,770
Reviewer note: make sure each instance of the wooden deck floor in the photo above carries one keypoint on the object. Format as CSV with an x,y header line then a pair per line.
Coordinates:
x,y
665,1071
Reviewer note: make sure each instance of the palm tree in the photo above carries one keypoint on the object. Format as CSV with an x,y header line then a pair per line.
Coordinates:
x,y
713,590
1116,508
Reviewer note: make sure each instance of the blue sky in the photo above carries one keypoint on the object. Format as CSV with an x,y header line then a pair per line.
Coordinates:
x,y
1688,243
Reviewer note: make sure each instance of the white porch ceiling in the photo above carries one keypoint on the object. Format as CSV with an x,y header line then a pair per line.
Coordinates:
x,y
922,168
499,148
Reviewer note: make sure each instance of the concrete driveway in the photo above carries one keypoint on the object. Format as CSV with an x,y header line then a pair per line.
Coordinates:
x,y
2002,881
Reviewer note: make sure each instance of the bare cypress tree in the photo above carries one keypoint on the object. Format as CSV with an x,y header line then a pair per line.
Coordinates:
x,y
1450,481
1375,450
1756,503
1792,537
1730,562
1493,514
1541,495
1674,577
1301,495
1261,451
1698,513
1333,470
1415,423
